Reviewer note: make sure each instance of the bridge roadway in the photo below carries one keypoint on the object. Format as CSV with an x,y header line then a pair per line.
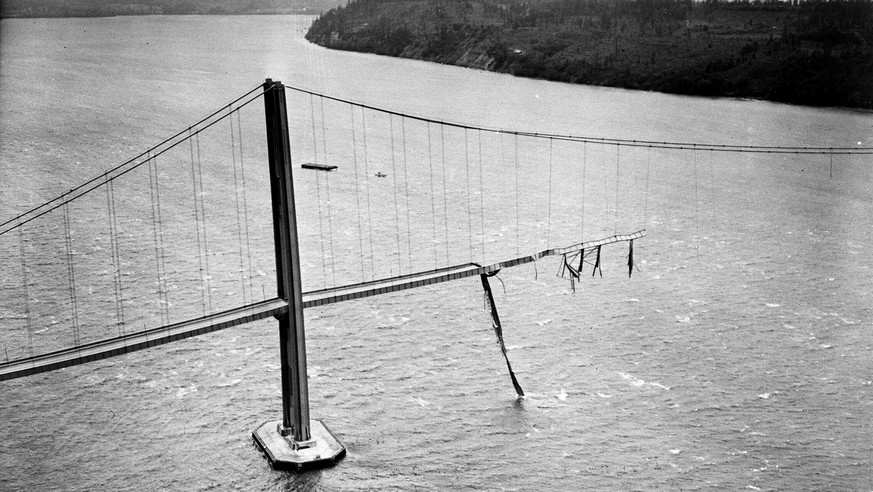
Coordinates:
x,y
131,342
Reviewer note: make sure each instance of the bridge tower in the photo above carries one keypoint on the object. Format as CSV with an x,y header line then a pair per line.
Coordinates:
x,y
295,442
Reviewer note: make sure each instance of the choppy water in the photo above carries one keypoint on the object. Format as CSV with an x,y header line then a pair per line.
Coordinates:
x,y
739,357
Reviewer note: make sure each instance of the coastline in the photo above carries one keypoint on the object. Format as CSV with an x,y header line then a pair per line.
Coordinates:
x,y
763,52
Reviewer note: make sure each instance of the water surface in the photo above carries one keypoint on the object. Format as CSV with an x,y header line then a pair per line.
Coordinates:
x,y
738,357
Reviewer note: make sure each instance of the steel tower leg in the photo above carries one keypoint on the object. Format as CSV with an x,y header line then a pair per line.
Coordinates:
x,y
295,442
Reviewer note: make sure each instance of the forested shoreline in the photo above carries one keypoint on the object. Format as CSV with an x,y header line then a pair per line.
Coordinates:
x,y
812,53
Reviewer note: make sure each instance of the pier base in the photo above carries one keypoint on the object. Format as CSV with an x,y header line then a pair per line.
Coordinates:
x,y
322,450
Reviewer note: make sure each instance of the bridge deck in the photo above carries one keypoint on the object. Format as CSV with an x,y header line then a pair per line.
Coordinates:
x,y
157,336
420,279
140,340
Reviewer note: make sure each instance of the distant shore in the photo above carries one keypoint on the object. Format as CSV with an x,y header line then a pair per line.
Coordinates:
x,y
11,9
812,53
158,13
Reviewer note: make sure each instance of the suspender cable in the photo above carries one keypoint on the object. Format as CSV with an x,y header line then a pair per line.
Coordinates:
x,y
469,207
713,197
617,184
549,213
153,189
327,186
116,262
312,120
199,197
320,229
517,249
118,274
239,239
26,285
195,194
406,192
584,196
161,256
432,203
445,191
504,174
323,130
481,194
330,229
71,274
629,205
367,183
394,194
245,201
696,209
318,194
155,235
357,187
646,203
606,200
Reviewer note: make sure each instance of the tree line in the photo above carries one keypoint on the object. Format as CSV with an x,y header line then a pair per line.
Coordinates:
x,y
810,52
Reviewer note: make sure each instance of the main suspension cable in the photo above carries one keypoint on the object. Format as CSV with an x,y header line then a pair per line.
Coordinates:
x,y
123,168
771,149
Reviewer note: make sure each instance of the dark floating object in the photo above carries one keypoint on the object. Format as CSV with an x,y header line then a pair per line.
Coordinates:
x,y
380,174
318,167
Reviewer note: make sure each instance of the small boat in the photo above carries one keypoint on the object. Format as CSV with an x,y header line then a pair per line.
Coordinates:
x,y
380,174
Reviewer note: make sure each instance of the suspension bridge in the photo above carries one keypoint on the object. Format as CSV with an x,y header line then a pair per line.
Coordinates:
x,y
184,239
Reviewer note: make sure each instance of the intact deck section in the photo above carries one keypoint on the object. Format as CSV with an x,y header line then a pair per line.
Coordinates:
x,y
132,342
274,307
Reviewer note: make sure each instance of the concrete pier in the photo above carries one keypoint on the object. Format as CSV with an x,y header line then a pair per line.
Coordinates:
x,y
322,449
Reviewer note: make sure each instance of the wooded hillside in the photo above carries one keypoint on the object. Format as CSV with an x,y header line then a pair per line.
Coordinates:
x,y
814,52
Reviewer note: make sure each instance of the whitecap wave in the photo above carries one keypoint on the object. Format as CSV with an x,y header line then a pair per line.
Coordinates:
x,y
638,383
